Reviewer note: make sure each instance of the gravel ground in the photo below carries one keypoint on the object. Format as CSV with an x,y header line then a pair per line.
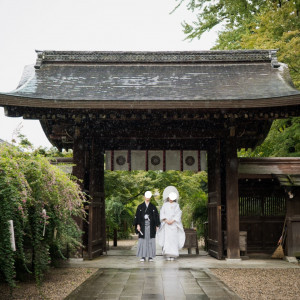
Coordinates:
x,y
57,285
262,283
247,283
58,282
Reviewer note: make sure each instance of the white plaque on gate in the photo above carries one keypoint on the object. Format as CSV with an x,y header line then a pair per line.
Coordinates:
x,y
138,160
108,160
203,160
173,160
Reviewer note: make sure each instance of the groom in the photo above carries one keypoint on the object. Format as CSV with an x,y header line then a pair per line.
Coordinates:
x,y
146,222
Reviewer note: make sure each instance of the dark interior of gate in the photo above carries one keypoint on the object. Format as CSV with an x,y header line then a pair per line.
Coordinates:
x,y
262,211
269,198
216,101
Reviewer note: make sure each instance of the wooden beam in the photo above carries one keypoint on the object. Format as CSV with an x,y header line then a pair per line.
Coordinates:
x,y
171,113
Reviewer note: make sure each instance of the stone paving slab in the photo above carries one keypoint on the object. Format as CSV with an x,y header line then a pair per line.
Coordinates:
x,y
193,261
146,284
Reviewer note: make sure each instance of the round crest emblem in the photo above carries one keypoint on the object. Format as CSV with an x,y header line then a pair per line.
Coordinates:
x,y
190,160
155,160
121,160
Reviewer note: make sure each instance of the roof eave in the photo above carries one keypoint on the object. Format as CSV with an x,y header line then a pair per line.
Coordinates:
x,y
21,101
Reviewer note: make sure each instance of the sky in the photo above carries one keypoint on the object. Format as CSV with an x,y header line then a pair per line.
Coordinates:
x,y
93,25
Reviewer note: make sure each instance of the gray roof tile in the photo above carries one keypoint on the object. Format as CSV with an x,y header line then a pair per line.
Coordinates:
x,y
205,76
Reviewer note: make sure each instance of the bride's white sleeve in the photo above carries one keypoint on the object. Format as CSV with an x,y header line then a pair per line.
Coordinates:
x,y
162,213
178,213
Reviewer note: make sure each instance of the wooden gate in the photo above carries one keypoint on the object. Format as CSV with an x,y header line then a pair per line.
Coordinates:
x,y
96,217
95,237
214,240
262,217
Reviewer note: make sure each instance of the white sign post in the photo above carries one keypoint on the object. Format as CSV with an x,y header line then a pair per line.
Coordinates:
x,y
12,235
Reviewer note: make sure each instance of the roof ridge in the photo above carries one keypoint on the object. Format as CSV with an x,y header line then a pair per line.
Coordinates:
x,y
137,57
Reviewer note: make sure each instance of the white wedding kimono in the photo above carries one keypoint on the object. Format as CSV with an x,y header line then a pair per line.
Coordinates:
x,y
171,237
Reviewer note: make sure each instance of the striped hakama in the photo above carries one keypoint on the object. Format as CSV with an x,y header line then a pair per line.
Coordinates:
x,y
146,246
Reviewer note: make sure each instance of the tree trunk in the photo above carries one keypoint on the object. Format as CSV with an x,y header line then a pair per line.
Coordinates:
x,y
115,238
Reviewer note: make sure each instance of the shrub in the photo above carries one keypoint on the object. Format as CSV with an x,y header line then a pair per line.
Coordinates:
x,y
42,201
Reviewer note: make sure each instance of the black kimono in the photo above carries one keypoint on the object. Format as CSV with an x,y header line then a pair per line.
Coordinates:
x,y
139,219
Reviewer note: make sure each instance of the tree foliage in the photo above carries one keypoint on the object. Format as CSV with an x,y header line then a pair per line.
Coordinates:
x,y
232,14
42,201
251,24
283,140
122,190
277,27
257,24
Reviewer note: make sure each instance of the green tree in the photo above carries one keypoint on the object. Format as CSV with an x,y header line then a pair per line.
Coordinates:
x,y
283,140
53,152
122,189
277,27
233,15
257,24
251,24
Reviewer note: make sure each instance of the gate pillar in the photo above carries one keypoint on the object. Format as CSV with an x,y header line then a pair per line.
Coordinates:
x,y
293,223
80,171
96,231
214,239
232,200
79,161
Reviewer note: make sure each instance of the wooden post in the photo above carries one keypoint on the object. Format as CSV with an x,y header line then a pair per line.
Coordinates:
x,y
214,239
79,160
293,223
232,200
97,232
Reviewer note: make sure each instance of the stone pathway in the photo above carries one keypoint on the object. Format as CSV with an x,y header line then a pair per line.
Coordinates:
x,y
121,275
153,283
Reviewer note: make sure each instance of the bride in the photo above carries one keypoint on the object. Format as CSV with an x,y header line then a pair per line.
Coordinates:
x,y
171,236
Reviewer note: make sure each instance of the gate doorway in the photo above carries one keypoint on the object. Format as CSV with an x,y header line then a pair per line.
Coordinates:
x,y
125,190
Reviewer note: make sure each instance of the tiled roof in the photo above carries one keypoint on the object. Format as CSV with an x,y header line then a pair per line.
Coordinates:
x,y
269,165
104,79
285,169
